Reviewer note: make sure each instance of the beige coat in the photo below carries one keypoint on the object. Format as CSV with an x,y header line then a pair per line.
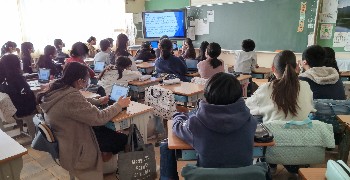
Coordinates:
x,y
71,116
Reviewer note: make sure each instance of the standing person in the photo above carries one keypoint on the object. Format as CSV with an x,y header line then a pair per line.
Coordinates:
x,y
202,51
146,53
104,54
246,60
212,64
188,51
46,60
61,56
122,44
90,44
27,48
8,48
78,53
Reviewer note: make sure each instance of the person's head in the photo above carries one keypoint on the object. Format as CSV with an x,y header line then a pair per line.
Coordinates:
x,y
146,45
8,47
75,75
111,41
10,68
122,63
214,51
58,43
286,87
166,47
188,43
248,45
222,89
92,40
105,45
122,41
27,48
203,49
50,52
163,37
79,49
313,56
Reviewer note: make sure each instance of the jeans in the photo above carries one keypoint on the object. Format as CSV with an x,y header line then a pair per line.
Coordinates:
x,y
168,164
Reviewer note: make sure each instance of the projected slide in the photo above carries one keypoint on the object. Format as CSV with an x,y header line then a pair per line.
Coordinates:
x,y
164,23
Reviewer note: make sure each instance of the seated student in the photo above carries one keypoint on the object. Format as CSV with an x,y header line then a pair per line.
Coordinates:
x,y
246,60
188,51
112,53
90,44
212,64
158,49
61,56
27,48
122,43
46,60
13,83
120,74
202,51
78,53
8,48
167,63
103,55
221,122
71,117
330,58
146,53
324,81
285,98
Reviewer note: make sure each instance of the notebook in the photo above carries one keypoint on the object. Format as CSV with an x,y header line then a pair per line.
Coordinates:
x,y
191,65
99,66
118,91
44,75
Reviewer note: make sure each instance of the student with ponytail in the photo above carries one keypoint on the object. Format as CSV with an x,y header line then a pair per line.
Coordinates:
x,y
212,64
46,60
118,74
286,98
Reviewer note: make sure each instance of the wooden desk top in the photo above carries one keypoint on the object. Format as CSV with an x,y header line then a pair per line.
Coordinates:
x,y
134,109
145,65
345,74
262,70
260,82
243,77
312,173
9,148
175,142
88,94
143,83
196,74
184,88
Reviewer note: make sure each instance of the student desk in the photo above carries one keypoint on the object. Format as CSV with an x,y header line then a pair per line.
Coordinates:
x,y
185,92
261,72
260,82
345,75
244,80
11,162
312,173
140,86
146,67
344,145
175,142
136,113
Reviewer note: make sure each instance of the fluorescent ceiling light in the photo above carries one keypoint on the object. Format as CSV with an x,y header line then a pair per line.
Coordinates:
x,y
250,1
209,5
220,4
240,2
199,6
230,3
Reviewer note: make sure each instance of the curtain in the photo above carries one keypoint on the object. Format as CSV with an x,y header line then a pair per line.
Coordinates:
x,y
10,29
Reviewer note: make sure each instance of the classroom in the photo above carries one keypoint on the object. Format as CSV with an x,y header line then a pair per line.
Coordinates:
x,y
175,89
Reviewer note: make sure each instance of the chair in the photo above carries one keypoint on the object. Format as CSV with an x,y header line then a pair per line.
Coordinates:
x,y
7,110
259,171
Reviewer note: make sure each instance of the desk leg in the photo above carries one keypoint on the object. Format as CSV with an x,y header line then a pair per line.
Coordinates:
x,y
344,147
11,170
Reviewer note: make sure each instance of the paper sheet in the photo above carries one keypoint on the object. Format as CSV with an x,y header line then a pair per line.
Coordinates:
x,y
328,17
347,45
326,31
137,18
339,39
191,33
192,23
202,27
330,6
210,16
310,39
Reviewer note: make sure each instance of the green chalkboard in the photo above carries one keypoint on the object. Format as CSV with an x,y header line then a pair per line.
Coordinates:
x,y
272,24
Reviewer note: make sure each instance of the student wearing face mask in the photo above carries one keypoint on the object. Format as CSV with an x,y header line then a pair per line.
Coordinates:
x,y
78,53
71,117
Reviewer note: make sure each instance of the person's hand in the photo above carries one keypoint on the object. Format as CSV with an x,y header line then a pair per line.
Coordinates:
x,y
123,102
104,100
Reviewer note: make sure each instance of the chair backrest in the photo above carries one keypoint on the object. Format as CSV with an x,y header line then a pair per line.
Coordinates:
x,y
162,100
198,80
7,109
256,172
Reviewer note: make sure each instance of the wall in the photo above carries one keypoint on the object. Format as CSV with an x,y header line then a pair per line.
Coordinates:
x,y
153,5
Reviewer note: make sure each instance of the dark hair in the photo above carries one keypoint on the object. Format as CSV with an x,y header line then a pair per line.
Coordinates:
x,y
6,47
190,52
71,73
79,49
25,49
314,56
163,37
145,45
105,44
286,89
214,51
110,40
92,38
166,46
45,60
10,69
57,42
202,50
222,89
248,45
330,58
122,63
122,40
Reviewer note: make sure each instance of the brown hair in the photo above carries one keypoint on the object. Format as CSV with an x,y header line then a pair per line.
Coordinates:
x,y
286,89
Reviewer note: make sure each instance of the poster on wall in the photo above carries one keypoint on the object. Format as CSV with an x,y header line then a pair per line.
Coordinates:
x,y
340,39
326,31
328,17
329,6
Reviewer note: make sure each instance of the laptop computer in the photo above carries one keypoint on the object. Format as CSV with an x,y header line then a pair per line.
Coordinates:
x,y
99,66
44,75
154,44
191,65
117,92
